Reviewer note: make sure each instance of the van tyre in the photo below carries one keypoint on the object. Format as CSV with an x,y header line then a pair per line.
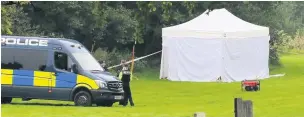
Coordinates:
x,y
6,100
106,104
83,98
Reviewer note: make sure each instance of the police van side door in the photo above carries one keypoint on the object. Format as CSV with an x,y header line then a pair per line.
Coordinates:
x,y
64,79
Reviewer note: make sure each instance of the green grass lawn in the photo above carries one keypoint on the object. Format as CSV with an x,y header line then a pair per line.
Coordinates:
x,y
279,97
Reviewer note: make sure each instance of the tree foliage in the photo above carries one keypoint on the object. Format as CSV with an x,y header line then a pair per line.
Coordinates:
x,y
116,25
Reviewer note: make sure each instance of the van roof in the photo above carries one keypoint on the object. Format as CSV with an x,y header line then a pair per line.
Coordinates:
x,y
50,41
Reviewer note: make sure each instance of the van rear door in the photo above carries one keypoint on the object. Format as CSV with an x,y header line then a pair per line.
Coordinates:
x,y
29,80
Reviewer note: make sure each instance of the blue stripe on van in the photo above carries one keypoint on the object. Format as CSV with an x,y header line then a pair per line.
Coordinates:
x,y
23,78
66,80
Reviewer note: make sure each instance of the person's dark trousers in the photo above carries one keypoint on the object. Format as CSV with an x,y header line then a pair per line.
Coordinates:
x,y
127,91
127,96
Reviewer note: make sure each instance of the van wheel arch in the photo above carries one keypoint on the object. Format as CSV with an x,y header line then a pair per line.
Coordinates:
x,y
78,89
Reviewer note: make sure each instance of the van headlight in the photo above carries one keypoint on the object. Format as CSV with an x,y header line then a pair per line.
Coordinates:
x,y
101,84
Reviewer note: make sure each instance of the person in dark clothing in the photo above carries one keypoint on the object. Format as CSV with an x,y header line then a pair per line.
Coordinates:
x,y
125,76
103,65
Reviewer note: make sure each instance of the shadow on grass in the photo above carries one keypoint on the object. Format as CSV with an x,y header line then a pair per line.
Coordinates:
x,y
50,104
41,104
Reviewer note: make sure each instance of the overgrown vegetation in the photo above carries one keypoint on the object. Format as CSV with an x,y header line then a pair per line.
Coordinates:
x,y
295,42
114,57
114,26
290,44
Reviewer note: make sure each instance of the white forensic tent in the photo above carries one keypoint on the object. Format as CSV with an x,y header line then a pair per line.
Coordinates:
x,y
215,45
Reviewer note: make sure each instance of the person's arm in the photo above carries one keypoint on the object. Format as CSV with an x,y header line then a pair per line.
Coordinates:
x,y
118,72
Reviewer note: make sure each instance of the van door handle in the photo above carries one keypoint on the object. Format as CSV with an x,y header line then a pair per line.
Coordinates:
x,y
54,74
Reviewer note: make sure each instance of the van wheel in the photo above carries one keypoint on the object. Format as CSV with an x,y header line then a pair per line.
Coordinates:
x,y
5,100
107,104
83,98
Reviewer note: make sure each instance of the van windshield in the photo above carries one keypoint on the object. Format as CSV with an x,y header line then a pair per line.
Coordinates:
x,y
87,61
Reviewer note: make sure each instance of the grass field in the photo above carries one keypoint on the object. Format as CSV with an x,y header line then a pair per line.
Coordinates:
x,y
279,97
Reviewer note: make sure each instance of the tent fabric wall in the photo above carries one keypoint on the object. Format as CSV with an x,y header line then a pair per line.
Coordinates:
x,y
246,58
205,60
187,59
164,67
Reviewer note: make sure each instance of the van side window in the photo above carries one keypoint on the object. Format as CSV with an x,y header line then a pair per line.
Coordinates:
x,y
23,59
61,61
70,63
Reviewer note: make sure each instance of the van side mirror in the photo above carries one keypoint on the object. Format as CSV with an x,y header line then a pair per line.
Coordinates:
x,y
75,68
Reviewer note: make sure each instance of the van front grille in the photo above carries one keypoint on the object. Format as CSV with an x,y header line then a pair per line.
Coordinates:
x,y
115,85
